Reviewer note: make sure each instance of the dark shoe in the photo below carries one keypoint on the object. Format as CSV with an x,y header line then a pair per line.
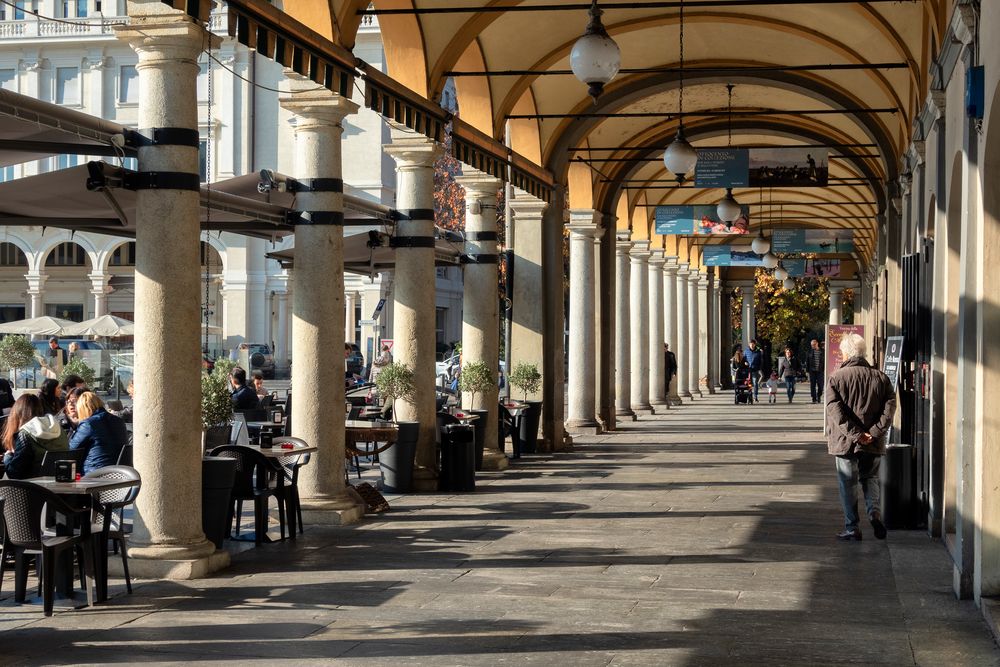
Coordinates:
x,y
849,535
877,526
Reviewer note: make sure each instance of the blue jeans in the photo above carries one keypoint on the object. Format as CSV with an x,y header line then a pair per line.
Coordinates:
x,y
816,385
756,376
790,387
850,470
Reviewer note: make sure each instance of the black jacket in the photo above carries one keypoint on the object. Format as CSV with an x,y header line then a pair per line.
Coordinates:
x,y
815,361
103,435
671,360
245,398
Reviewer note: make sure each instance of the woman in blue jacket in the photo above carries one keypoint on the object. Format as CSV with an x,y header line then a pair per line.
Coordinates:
x,y
101,433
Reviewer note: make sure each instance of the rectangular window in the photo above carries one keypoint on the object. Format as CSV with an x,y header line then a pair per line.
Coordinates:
x,y
128,85
67,161
21,9
8,80
67,311
67,85
6,174
81,9
202,91
74,9
203,160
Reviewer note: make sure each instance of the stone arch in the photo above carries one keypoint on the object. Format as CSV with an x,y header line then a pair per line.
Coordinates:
x,y
60,237
216,244
21,244
106,254
475,101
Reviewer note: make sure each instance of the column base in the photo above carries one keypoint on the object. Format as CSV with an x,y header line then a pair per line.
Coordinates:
x,y
425,480
625,415
660,406
583,427
676,400
686,394
643,410
169,568
341,510
494,459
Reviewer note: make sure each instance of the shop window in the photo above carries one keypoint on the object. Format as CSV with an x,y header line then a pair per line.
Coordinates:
x,y
66,311
11,312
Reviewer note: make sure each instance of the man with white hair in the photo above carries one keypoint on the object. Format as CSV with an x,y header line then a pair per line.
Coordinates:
x,y
860,404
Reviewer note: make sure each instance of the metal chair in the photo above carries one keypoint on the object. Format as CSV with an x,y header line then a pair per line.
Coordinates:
x,y
109,518
125,456
291,465
49,460
255,482
23,504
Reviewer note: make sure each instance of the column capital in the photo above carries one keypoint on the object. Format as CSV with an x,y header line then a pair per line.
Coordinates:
x,y
36,281
316,106
841,285
640,250
99,282
656,258
682,269
479,185
703,282
585,217
412,152
527,207
622,248
164,36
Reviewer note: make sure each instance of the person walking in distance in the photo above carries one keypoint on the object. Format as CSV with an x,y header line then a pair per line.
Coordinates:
x,y
670,359
788,370
814,366
755,360
860,404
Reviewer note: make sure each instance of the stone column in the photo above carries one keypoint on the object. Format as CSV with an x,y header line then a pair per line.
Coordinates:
x,y
36,291
317,300
168,540
100,289
749,317
527,314
623,325
480,305
836,305
281,337
670,319
657,364
716,314
413,292
350,318
639,305
704,337
695,343
581,381
683,333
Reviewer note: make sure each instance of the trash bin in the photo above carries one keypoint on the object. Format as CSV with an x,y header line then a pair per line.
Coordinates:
x,y
217,476
898,489
458,458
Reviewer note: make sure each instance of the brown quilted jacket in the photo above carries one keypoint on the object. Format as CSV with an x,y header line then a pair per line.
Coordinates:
x,y
859,399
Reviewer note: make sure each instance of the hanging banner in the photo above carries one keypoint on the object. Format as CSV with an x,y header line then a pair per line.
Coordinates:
x,y
834,334
721,255
788,167
700,219
812,268
722,168
817,241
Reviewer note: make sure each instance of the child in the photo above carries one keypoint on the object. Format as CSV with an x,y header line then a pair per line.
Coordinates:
x,y
772,388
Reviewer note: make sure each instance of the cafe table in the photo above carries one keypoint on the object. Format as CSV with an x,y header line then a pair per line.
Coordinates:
x,y
359,430
82,491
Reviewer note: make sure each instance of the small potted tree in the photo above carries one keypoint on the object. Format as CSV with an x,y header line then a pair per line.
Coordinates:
x,y
477,378
527,378
393,382
216,407
16,352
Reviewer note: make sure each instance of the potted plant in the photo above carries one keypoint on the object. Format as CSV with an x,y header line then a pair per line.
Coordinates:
x,y
16,352
527,378
393,382
216,406
77,366
477,378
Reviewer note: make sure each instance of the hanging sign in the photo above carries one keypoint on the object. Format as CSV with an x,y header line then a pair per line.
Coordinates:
x,y
812,268
722,168
893,355
378,309
699,219
817,241
722,255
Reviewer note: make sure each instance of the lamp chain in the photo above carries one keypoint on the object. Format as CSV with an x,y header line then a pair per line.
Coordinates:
x,y
729,88
681,75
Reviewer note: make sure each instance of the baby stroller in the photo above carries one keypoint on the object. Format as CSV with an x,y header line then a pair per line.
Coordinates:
x,y
744,391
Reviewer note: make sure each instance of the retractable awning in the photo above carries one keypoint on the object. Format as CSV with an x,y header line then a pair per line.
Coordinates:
x,y
362,259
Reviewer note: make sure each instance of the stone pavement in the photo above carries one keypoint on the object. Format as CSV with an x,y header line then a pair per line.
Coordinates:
x,y
702,537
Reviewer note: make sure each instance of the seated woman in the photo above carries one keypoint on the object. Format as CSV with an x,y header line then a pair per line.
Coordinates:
x,y
51,396
100,433
28,434
68,418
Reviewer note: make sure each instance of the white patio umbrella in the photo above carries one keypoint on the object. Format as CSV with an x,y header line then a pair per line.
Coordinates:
x,y
37,326
107,326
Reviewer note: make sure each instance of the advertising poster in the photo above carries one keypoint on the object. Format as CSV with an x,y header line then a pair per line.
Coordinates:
x,y
722,168
893,356
700,219
788,167
834,334
721,255
816,241
812,268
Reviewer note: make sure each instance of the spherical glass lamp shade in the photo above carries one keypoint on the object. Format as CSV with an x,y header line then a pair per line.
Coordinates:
x,y
780,273
761,246
769,261
788,283
595,58
728,209
680,157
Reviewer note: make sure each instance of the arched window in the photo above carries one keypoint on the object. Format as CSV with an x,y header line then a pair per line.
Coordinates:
x,y
124,255
11,255
67,254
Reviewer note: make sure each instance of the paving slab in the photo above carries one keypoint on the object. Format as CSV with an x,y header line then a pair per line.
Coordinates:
x,y
704,536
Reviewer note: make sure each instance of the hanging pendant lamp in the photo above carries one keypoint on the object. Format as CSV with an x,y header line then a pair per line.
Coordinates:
x,y
728,209
769,261
761,245
780,273
595,58
680,157
788,284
